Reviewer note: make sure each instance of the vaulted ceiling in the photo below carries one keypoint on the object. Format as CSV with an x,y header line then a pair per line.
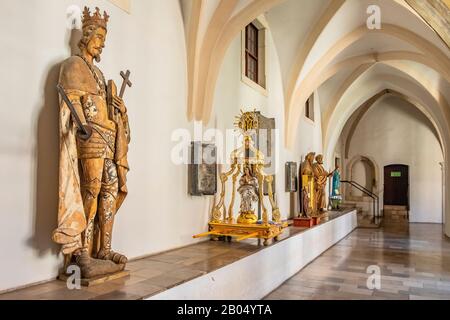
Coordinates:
x,y
325,45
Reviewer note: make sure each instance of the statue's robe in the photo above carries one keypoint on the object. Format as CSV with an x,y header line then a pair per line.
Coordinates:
x,y
307,188
320,181
77,79
336,189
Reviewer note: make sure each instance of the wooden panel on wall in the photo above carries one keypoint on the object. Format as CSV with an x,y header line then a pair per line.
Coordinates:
x,y
122,4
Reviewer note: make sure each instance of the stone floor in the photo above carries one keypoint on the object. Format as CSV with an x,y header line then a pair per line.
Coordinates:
x,y
368,221
414,260
153,274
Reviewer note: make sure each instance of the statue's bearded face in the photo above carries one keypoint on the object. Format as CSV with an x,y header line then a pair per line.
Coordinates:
x,y
319,159
96,43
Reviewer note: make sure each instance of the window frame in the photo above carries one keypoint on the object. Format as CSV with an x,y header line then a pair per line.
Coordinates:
x,y
309,109
249,55
261,86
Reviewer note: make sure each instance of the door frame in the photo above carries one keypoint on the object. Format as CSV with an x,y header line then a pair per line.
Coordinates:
x,y
408,200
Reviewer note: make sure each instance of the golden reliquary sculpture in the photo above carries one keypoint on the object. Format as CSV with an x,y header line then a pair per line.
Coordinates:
x,y
247,164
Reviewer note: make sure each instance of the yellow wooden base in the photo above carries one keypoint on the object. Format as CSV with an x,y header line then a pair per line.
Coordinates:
x,y
244,231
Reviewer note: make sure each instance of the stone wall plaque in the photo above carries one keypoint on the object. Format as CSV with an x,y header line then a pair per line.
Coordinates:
x,y
202,177
291,177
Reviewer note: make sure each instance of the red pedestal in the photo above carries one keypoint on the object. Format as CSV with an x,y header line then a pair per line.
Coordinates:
x,y
303,222
316,220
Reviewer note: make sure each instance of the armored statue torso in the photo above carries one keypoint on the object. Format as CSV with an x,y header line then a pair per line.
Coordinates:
x,y
97,113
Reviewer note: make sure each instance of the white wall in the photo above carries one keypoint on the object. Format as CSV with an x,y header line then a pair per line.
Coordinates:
x,y
395,132
158,214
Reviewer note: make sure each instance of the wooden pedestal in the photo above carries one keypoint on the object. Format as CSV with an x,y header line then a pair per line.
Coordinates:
x,y
316,220
97,280
303,222
244,231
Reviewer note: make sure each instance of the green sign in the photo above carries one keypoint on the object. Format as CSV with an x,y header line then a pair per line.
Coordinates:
x,y
396,174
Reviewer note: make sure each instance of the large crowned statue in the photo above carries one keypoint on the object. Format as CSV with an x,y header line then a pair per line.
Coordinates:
x,y
247,162
94,138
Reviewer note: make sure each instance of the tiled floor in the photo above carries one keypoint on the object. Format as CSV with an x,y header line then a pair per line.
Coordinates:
x,y
414,260
154,274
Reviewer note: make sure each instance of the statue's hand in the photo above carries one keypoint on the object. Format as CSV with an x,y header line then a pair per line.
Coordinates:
x,y
86,134
119,104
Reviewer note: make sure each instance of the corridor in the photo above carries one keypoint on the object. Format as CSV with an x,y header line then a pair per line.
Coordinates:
x,y
414,260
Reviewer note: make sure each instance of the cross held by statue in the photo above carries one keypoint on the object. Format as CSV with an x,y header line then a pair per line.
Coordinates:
x,y
126,82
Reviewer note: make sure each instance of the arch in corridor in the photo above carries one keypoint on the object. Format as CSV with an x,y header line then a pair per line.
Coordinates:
x,y
324,70
372,173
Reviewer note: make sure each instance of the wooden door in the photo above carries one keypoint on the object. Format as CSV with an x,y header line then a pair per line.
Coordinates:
x,y
396,185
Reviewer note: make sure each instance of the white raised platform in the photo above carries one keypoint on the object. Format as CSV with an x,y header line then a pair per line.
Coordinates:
x,y
255,276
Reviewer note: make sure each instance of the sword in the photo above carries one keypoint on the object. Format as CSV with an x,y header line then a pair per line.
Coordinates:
x,y
84,132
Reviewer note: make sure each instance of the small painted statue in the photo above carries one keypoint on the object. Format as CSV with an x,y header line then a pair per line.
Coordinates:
x,y
248,189
336,196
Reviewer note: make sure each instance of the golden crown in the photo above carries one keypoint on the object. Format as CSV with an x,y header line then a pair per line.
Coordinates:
x,y
96,19
247,121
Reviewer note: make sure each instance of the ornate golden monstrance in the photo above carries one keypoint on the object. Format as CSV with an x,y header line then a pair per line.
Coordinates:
x,y
248,163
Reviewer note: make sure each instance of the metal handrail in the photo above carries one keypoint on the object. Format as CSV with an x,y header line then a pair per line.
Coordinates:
x,y
360,186
375,198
